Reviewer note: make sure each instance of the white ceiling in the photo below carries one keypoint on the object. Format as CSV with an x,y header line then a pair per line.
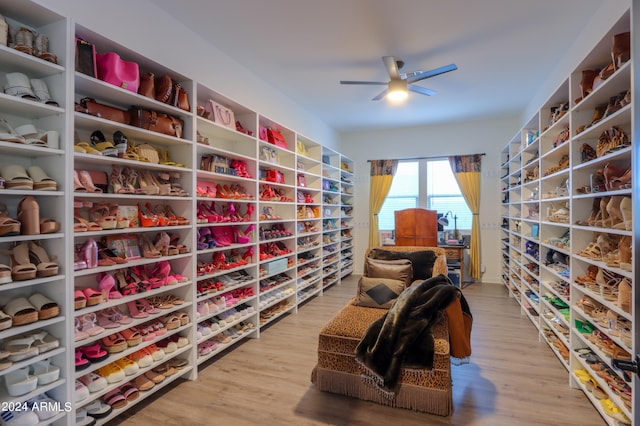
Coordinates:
x,y
504,50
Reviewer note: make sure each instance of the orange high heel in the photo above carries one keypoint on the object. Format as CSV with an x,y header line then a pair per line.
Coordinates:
x,y
221,192
248,255
147,219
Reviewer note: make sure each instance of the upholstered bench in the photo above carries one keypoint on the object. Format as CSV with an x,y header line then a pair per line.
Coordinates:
x,y
337,370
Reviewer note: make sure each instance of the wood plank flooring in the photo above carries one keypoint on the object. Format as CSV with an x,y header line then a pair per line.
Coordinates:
x,y
512,378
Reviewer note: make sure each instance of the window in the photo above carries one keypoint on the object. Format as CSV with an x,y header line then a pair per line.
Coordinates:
x,y
428,184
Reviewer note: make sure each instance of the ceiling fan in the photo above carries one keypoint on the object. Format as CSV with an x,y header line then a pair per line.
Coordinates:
x,y
399,84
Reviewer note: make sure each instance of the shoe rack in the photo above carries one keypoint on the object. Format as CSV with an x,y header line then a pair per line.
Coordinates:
x,y
144,214
567,231
172,248
33,289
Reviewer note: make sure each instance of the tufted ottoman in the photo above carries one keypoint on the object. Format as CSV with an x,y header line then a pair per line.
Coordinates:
x,y
337,370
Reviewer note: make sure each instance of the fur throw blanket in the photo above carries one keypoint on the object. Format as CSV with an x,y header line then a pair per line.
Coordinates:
x,y
402,337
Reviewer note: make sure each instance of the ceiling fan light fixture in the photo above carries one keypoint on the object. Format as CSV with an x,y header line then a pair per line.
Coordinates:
x,y
398,90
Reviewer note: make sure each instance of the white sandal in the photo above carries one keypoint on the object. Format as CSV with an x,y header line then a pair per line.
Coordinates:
x,y
45,372
7,134
21,348
19,382
18,85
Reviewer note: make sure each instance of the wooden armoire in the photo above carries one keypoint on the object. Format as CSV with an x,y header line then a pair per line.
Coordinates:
x,y
416,227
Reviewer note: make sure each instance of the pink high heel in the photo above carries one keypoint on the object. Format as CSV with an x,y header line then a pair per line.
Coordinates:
x,y
136,310
244,237
161,271
89,253
106,284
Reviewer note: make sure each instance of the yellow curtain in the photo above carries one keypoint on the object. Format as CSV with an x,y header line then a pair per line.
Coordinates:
x,y
382,172
466,169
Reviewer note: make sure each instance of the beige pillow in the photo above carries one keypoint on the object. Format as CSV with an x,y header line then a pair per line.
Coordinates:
x,y
378,292
400,269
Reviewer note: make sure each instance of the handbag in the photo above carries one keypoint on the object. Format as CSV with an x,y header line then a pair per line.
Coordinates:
x,y
147,85
112,69
223,235
276,138
275,176
180,97
301,148
90,106
262,133
85,57
220,114
163,88
156,122
148,152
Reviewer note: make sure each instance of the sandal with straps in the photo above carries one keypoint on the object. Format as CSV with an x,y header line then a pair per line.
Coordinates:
x,y
40,257
100,213
8,226
21,267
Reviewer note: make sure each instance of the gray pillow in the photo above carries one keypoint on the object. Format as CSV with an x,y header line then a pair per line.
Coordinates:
x,y
393,269
378,292
422,261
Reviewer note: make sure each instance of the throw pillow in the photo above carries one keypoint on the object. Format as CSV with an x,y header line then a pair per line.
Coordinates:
x,y
394,269
378,292
422,261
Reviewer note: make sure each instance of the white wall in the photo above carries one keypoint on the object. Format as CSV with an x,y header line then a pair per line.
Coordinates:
x,y
142,27
488,136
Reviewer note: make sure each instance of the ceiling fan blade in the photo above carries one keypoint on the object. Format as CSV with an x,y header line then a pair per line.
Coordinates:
x,y
392,67
376,83
381,95
432,73
421,90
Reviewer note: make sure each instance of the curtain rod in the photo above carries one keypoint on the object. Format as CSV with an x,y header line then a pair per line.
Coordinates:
x,y
425,158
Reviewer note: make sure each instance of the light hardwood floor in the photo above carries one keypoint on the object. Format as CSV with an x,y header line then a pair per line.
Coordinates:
x,y
512,378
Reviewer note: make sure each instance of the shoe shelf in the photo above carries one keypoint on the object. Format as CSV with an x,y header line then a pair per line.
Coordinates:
x,y
144,395
588,390
39,146
581,135
113,357
180,164
130,378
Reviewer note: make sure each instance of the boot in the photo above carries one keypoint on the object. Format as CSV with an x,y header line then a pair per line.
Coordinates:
x,y
41,49
586,84
23,40
624,248
593,216
626,208
624,295
611,171
621,49
613,209
605,214
598,113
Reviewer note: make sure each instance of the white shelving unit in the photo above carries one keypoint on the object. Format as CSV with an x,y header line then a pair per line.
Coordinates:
x,y
561,249
243,250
